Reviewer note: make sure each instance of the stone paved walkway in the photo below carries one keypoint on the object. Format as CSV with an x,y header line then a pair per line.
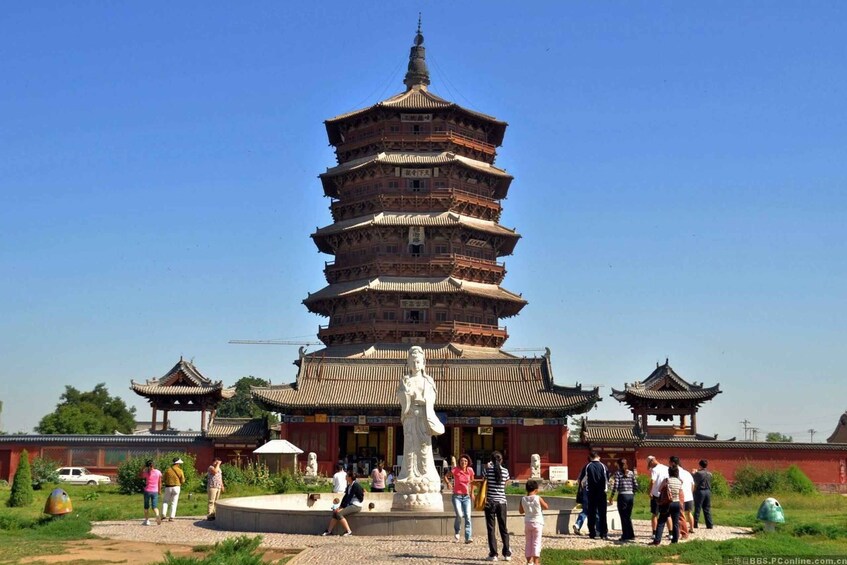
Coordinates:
x,y
372,549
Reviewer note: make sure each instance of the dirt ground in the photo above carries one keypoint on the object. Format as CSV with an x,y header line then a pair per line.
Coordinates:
x,y
104,551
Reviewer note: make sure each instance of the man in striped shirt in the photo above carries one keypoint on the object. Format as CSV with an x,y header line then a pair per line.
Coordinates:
x,y
495,506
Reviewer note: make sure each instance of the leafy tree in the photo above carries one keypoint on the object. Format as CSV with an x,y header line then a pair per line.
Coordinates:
x,y
241,405
776,437
94,412
22,493
44,471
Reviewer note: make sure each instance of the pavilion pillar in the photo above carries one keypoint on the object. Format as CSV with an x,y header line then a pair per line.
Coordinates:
x,y
682,421
644,423
694,421
202,419
153,425
564,437
164,420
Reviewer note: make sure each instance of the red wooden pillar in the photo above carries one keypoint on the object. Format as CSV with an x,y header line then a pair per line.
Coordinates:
x,y
564,439
333,444
512,446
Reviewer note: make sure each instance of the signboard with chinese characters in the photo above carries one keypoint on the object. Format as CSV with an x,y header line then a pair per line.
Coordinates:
x,y
415,117
485,430
558,473
416,173
421,304
417,235
361,429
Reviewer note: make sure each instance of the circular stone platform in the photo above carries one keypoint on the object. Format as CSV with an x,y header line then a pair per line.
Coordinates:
x,y
310,514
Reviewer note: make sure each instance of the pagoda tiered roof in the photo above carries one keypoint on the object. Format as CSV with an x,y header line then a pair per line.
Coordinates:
x,y
510,302
664,384
416,98
468,380
183,382
405,219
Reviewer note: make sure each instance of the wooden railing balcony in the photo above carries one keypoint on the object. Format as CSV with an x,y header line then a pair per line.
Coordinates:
x,y
412,140
463,332
419,261
376,200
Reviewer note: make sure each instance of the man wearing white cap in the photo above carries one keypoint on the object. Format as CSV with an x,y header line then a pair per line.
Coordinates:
x,y
173,479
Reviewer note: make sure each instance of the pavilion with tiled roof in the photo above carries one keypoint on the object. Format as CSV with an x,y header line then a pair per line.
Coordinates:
x,y
664,395
182,389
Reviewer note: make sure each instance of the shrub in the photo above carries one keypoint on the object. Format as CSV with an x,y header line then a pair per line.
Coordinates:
x,y
643,481
129,472
720,486
749,480
797,481
44,472
287,482
22,494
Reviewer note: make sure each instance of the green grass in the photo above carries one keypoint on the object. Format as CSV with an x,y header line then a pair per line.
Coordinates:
x,y
815,525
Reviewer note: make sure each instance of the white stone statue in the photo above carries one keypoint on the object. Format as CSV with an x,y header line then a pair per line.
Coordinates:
x,y
418,486
535,466
312,464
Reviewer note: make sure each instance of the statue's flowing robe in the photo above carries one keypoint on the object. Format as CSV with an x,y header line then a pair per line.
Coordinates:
x,y
417,413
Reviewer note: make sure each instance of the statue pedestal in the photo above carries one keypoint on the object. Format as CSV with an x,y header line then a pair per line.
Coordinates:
x,y
418,495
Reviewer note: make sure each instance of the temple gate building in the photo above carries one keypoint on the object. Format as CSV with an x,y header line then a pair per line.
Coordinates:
x,y
416,246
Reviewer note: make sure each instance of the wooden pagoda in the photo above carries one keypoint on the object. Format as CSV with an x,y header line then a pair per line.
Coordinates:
x,y
665,395
182,389
416,248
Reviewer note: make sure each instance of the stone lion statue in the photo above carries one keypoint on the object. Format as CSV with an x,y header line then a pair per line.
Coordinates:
x,y
312,464
535,466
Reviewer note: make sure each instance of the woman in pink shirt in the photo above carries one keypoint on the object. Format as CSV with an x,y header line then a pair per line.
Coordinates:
x,y
152,487
463,496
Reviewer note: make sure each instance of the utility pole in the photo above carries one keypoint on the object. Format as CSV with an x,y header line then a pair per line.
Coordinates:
x,y
755,432
811,435
744,423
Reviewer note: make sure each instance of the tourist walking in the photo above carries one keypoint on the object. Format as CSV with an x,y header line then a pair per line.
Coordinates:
x,y
658,474
378,476
531,507
596,483
623,483
703,495
495,506
173,479
214,486
582,499
677,498
462,476
152,488
339,479
354,497
686,517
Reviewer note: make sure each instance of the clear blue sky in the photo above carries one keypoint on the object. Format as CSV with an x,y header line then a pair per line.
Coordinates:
x,y
680,181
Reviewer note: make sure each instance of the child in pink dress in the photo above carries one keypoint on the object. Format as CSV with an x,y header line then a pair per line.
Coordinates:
x,y
531,507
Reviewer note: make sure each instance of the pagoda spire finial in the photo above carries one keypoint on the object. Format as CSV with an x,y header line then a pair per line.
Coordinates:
x,y
417,73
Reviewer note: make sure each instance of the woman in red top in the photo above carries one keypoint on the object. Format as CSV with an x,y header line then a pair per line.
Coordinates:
x,y
463,495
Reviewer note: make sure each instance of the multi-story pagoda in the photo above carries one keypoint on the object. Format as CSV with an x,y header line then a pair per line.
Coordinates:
x,y
416,243
664,395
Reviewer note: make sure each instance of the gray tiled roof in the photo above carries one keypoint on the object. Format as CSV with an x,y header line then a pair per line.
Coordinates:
x,y
665,384
237,428
418,159
610,431
192,383
414,285
416,219
417,98
485,384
